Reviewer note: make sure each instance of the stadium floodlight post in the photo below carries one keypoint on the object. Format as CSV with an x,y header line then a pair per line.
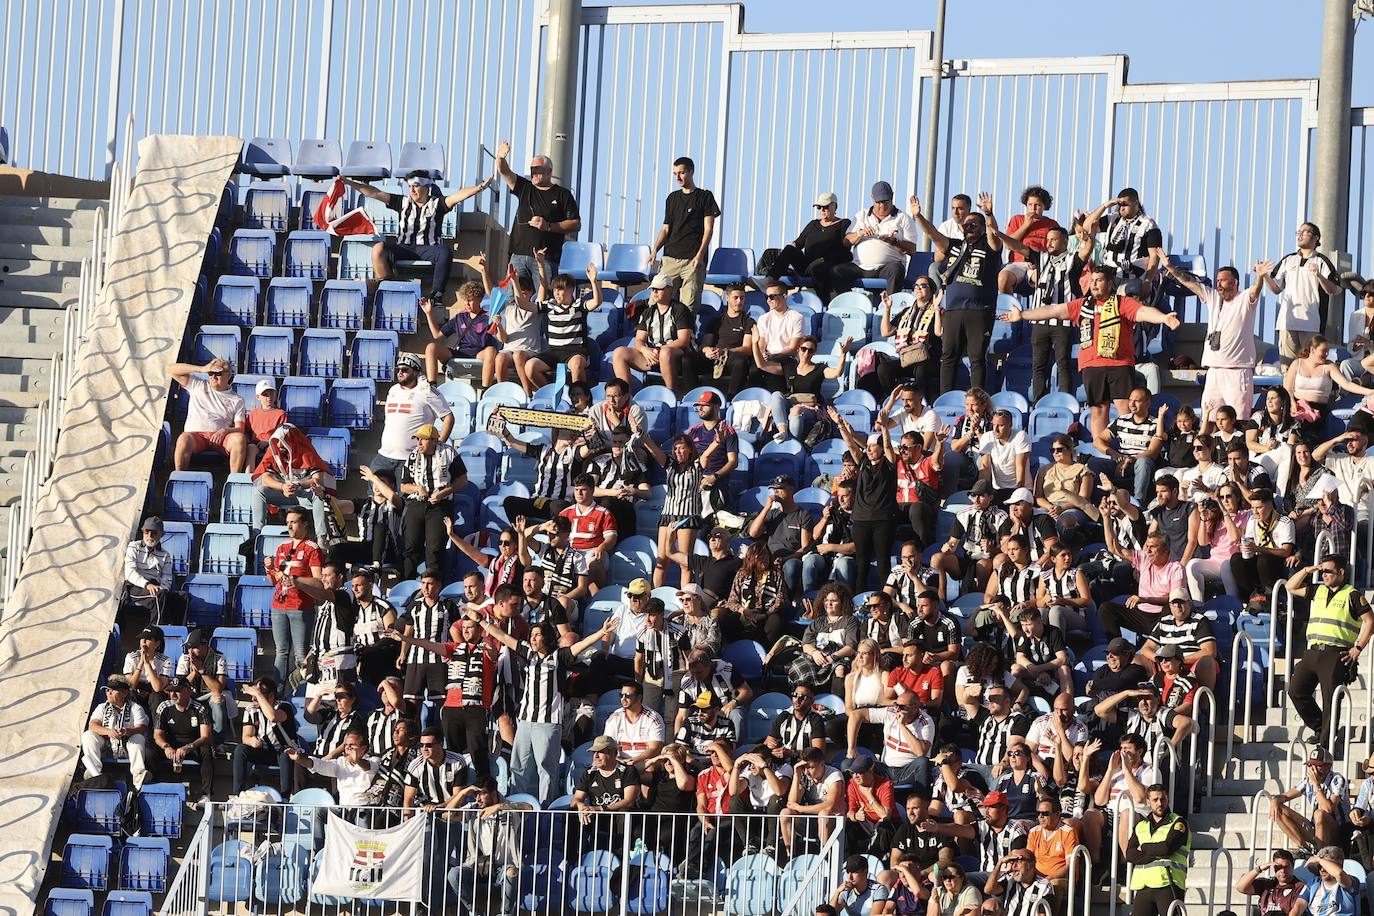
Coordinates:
x,y
937,76
1331,176
560,64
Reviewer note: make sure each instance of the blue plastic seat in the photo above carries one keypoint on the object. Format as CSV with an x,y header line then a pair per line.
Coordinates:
x,y
97,810
186,498
231,873
236,500
253,602
252,253
219,549
629,562
502,394
751,886
303,400
239,646
288,302
208,597
779,458
577,255
280,875
322,353
143,864
245,386
128,903
422,157
762,711
627,264
307,254
730,265
86,861
355,257
174,639
68,901
270,351
589,883
481,453
343,305
1049,421
351,402
266,157
217,341
1010,400
917,266
333,445
396,307
842,321
177,539
374,355
235,301
367,159
266,207
317,159
746,656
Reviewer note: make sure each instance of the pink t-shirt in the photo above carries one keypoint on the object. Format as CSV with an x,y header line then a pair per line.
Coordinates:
x,y
1234,323
1157,581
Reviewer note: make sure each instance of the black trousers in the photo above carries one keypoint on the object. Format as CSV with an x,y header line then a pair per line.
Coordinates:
x,y
793,260
377,662
1050,341
967,332
167,607
1257,574
1154,901
517,506
441,255
734,377
1318,670
922,518
626,522
465,730
872,542
844,277
1139,619
203,770
425,535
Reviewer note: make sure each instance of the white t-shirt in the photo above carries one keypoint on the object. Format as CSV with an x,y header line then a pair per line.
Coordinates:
x,y
524,330
928,421
352,780
897,750
777,330
1282,534
210,411
1118,799
635,737
760,794
1300,301
872,253
1208,479
1041,735
1004,456
407,409
1234,322
1352,474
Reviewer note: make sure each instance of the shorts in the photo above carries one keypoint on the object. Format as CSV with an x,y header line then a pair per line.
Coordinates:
x,y
1234,387
688,522
560,356
214,442
1105,384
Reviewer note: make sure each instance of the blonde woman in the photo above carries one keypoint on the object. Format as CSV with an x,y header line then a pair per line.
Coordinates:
x,y
864,688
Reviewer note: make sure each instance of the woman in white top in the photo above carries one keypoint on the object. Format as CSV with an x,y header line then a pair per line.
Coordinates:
x,y
1310,378
865,687
1201,481
1360,328
1271,423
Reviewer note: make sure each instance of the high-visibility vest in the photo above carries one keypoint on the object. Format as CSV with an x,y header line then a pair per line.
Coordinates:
x,y
1330,621
1162,872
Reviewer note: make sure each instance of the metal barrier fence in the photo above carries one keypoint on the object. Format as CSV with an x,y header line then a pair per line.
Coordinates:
x,y
545,862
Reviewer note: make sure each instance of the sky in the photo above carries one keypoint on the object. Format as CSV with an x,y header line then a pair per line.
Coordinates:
x,y
1175,41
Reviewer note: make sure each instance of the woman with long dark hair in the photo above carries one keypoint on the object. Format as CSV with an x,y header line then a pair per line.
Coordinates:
x,y
873,523
1272,423
754,608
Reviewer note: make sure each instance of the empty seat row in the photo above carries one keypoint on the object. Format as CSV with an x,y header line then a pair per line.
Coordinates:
x,y
290,302
321,353
369,160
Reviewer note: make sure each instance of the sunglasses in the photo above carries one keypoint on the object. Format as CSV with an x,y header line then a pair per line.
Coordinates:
x,y
806,349
430,744
997,698
1330,572
950,876
1058,448
628,696
875,605
773,297
506,542
801,696
1045,813
1017,754
214,374
924,286
343,696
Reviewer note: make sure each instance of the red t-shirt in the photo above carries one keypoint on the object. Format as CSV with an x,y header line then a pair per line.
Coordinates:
x,y
923,685
882,791
295,558
1125,351
263,422
714,785
1034,238
589,527
909,475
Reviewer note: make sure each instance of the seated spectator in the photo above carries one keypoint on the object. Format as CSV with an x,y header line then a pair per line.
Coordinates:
x,y
636,729
1042,658
1051,841
1004,457
433,472
1272,426
703,726
662,340
975,531
1039,531
1177,692
1201,481
437,777
516,334
351,771
621,481
269,731
206,671
908,732
607,785
1277,894
706,673
916,336
555,465
713,802
1223,424
816,797
753,608
1189,629
962,460
422,211
1354,470
391,774
149,581
831,558
1307,479
216,418
917,677
881,238
567,332
292,473
831,637
617,414
1015,885
1063,594
1179,438
703,630
958,787
333,720
887,627
954,895
865,687
1149,721
1174,518
409,406
798,729
1333,890
1265,547
1016,778
912,843
119,728
777,335
264,419
859,894
1117,672
1055,735
787,526
1218,534
817,250
146,669
182,732
935,634
1016,581
1134,442
800,405
1157,576
1327,796
715,570
760,784
726,356
661,648
994,832
998,726
685,505
1064,488
1311,382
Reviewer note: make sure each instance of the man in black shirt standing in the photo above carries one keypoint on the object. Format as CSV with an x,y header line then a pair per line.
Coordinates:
x,y
181,732
689,221
546,215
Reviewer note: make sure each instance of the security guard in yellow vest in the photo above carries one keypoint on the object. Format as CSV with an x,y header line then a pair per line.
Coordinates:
x,y
1339,627
1159,850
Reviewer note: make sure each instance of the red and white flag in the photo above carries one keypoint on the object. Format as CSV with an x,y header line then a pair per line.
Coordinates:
x,y
328,217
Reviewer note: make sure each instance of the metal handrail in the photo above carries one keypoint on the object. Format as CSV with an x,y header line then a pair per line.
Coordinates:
x,y
1281,586
1294,744
1194,760
1177,909
190,886
1339,699
1164,741
826,858
1254,823
1130,814
1230,879
1082,876
1249,689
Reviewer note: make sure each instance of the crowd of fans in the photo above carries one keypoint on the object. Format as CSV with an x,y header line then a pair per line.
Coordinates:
x,y
969,745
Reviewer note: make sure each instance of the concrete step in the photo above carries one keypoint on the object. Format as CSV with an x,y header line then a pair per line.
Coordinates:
x,y
25,299
12,234
44,251
37,318
24,367
34,349
55,203
15,433
25,334
30,267
29,399
49,283
17,215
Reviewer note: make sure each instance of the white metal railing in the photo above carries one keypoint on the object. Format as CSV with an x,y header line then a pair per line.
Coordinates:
x,y
1080,881
188,888
1280,588
1202,694
1212,902
1157,761
1177,909
1123,826
1341,702
820,877
1236,667
1255,803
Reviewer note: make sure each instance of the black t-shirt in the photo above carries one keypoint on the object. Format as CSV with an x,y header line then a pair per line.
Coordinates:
x,y
974,284
555,205
1107,682
916,842
875,490
607,789
1173,524
181,727
665,797
685,216
728,332
937,636
817,241
784,529
715,576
